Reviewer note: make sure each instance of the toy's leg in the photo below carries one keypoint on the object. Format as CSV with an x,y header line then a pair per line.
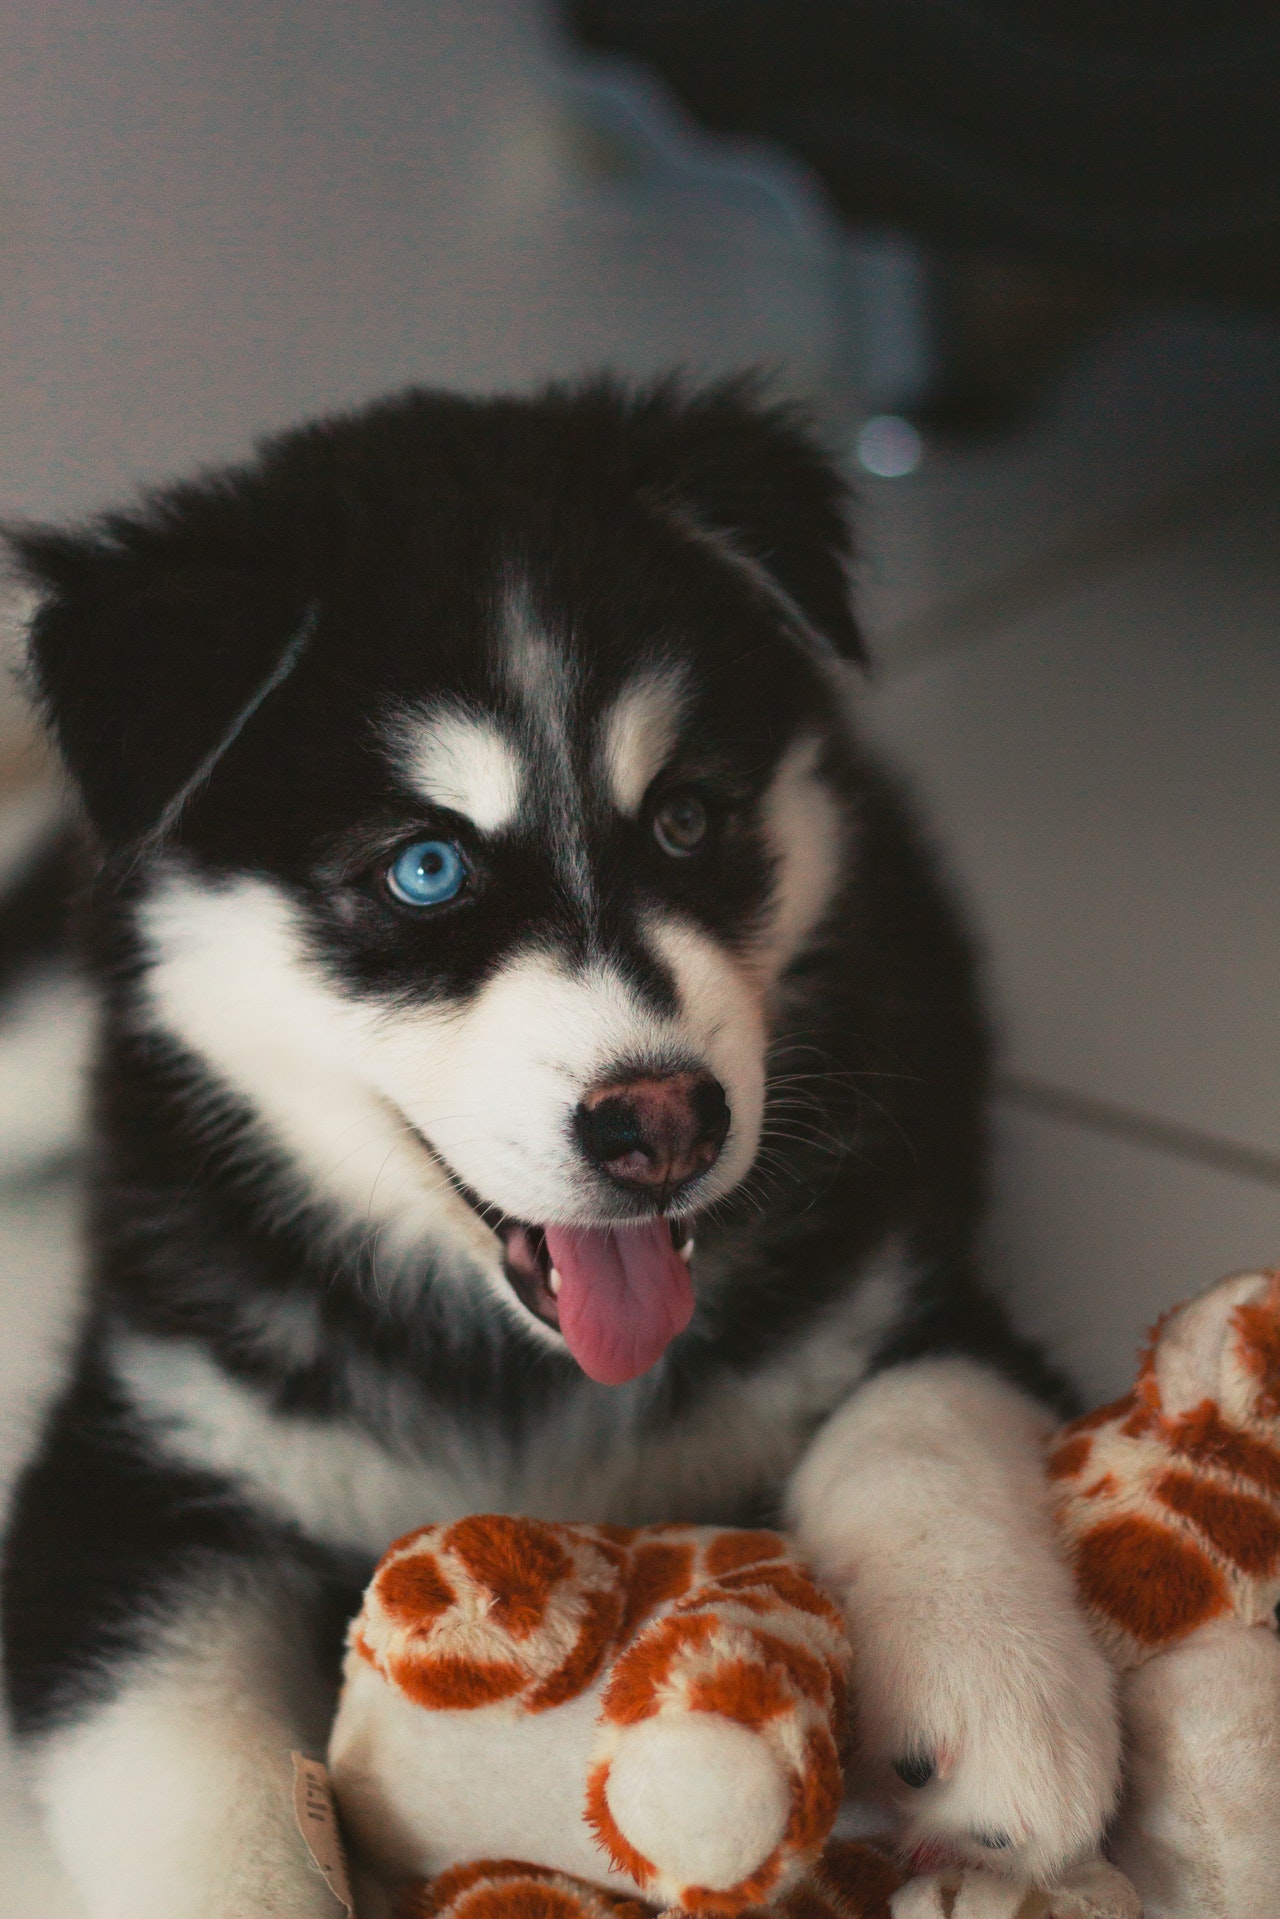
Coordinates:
x,y
1199,1830
971,1895
1093,1891
923,1504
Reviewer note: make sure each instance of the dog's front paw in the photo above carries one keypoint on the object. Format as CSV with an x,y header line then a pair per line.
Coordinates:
x,y
996,1737
984,1708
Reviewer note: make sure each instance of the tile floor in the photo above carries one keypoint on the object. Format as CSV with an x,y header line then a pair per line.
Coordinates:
x,y
207,228
1095,753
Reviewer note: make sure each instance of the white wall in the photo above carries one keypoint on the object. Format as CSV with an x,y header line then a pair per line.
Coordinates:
x,y
217,217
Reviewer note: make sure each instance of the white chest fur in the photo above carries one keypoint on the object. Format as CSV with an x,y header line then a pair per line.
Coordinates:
x,y
594,1457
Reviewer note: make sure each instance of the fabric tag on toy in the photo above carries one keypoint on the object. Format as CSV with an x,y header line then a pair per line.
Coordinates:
x,y
317,1818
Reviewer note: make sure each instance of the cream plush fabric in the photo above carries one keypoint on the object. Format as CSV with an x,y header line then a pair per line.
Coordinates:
x,y
658,1710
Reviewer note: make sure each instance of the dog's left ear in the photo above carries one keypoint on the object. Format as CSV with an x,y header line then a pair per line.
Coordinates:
x,y
755,474
148,658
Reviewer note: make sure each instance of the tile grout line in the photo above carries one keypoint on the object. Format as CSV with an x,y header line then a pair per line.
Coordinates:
x,y
1141,1129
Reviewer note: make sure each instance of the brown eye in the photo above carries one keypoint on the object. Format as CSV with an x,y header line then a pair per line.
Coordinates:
x,y
680,825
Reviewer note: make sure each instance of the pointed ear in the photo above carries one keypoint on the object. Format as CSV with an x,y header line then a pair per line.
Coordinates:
x,y
756,475
147,660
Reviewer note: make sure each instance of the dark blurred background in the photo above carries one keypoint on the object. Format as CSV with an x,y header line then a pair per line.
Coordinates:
x,y
1053,160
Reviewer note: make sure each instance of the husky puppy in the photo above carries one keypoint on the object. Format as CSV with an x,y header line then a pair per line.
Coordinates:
x,y
539,1071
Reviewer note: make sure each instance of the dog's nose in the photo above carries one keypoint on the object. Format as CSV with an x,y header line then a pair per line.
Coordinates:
x,y
654,1134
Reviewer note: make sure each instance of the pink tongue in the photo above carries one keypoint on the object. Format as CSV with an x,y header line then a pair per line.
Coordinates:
x,y
624,1294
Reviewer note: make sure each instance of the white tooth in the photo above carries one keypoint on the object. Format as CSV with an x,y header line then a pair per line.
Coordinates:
x,y
686,1251
554,1282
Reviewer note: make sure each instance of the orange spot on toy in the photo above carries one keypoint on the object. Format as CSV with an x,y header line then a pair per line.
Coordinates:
x,y
1204,1436
818,1801
660,1571
1258,1330
742,1690
1243,1529
1071,1457
808,1674
596,1636
734,1550
511,1889
415,1591
450,1684
1146,1580
789,1584
518,1561
633,1691
849,1881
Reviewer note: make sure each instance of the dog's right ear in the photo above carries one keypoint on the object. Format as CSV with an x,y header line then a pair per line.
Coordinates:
x,y
750,474
146,657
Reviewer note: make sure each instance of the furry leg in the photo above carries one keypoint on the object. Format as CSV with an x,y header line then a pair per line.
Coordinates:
x,y
922,1503
173,1800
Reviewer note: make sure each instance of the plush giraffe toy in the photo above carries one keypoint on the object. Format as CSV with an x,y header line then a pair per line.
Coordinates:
x,y
575,1722
1169,1504
669,1701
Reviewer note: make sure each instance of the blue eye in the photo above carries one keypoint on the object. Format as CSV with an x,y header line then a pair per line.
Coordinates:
x,y
427,873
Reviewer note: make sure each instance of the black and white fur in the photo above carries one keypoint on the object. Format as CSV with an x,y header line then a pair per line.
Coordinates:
x,y
520,624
